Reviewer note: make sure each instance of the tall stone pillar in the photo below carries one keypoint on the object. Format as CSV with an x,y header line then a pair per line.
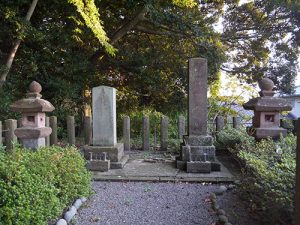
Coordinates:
x,y
197,151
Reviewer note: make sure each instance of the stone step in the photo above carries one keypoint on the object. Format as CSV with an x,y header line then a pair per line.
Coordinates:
x,y
120,164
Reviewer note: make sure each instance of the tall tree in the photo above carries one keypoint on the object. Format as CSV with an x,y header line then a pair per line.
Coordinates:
x,y
262,39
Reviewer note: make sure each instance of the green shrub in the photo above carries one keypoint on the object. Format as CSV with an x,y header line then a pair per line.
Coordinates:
x,y
35,187
269,176
230,137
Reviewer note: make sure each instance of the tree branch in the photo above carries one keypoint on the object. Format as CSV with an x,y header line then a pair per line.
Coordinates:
x,y
14,49
121,32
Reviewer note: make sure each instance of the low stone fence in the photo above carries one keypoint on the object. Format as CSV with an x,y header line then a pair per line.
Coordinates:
x,y
8,137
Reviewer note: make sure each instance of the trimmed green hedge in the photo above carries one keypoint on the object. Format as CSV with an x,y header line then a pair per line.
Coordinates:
x,y
35,187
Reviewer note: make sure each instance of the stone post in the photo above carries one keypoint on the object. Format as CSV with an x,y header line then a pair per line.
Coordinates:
x,y
1,141
229,121
10,137
126,133
146,133
236,122
164,123
47,124
87,130
219,123
71,130
297,196
181,126
53,125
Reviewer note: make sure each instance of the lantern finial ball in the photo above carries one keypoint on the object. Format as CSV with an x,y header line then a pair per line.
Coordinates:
x,y
35,87
266,84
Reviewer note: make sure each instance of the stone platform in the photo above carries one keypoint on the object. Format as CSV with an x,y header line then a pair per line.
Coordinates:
x,y
142,167
114,153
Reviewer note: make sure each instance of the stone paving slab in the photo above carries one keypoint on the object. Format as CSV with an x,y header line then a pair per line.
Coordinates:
x,y
136,169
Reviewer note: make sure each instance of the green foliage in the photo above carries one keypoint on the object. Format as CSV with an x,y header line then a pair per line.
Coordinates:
x,y
136,126
35,187
228,138
91,17
260,38
269,176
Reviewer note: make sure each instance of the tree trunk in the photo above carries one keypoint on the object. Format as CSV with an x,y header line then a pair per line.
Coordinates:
x,y
14,49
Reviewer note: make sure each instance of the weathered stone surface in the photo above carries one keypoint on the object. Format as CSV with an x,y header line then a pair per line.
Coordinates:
x,y
146,133
197,150
203,140
197,97
215,166
98,165
70,214
62,222
120,164
264,104
53,125
236,122
164,133
30,133
223,219
32,105
271,132
33,144
198,167
47,138
114,153
71,130
83,199
104,116
10,137
181,127
181,165
221,190
77,204
266,120
220,123
126,133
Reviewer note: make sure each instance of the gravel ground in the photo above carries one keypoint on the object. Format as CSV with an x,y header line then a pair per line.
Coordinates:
x,y
138,203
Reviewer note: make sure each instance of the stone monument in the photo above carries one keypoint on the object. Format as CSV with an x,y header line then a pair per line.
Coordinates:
x,y
32,132
266,120
197,150
104,140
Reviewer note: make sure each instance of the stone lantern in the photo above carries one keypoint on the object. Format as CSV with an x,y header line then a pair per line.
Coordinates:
x,y
32,132
266,120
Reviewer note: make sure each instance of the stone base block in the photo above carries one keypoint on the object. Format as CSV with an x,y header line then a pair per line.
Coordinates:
x,y
198,140
33,144
215,166
198,167
121,164
98,165
198,153
274,133
181,165
114,153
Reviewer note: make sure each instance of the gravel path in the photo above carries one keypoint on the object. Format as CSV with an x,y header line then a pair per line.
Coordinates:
x,y
139,203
